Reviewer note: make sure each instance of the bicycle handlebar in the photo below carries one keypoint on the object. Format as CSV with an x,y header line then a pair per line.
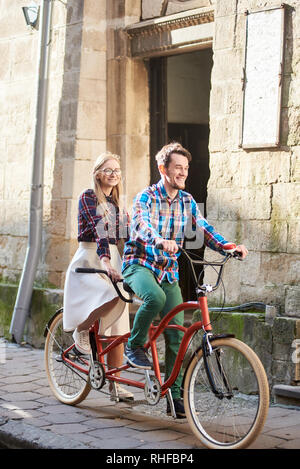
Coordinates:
x,y
231,252
89,270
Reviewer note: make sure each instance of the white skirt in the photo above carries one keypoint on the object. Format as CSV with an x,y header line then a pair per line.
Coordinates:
x,y
83,293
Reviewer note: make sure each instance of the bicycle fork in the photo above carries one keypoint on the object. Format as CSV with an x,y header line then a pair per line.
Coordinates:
x,y
207,352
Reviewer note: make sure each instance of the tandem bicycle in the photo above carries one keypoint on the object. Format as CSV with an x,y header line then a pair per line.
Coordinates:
x,y
225,388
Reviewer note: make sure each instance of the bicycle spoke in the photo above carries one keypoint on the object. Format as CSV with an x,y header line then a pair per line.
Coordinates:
x,y
68,384
230,416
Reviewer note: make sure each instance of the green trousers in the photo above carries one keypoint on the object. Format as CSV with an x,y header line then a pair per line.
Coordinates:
x,y
158,300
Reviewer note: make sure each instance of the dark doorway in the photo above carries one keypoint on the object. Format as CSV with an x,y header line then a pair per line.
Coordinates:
x,y
179,109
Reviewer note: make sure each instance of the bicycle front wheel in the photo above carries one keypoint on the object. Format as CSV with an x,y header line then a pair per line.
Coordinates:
x,y
232,415
67,384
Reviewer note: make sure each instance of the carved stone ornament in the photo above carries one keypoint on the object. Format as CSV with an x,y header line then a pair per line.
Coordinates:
x,y
188,30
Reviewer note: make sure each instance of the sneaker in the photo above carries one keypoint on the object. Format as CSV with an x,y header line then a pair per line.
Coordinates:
x,y
82,341
137,358
179,408
120,393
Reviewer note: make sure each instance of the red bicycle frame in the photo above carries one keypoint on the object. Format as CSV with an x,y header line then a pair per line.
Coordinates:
x,y
154,333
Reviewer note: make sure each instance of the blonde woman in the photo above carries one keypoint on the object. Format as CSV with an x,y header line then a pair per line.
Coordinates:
x,y
102,225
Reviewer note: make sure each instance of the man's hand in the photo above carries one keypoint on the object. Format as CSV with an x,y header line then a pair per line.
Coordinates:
x,y
168,245
242,250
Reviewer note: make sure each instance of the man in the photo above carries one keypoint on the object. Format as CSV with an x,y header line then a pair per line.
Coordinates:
x,y
160,217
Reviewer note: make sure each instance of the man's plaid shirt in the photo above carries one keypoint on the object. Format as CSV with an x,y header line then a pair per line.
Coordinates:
x,y
155,217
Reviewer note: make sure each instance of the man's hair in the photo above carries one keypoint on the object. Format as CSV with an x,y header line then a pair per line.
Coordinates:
x,y
163,157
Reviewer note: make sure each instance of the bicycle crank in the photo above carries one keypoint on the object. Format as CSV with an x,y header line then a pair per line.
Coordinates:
x,y
152,389
97,375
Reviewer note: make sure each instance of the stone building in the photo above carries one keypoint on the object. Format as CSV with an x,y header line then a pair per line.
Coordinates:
x,y
128,76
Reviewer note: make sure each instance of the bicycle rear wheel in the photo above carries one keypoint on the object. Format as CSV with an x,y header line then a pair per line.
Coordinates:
x,y
67,384
233,418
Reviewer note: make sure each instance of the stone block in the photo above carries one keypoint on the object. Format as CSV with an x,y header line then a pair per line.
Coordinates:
x,y
89,149
91,120
57,255
76,176
92,90
293,241
295,164
229,203
71,219
15,217
93,65
224,32
225,8
56,217
5,59
287,395
191,4
284,330
292,299
272,235
17,180
286,201
279,269
228,65
256,203
261,168
224,133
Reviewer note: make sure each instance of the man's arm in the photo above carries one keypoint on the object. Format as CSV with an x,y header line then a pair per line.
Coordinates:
x,y
212,238
141,224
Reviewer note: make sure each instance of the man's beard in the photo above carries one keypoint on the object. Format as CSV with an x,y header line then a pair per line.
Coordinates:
x,y
174,185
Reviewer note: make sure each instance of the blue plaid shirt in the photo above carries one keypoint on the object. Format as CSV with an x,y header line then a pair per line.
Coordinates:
x,y
156,217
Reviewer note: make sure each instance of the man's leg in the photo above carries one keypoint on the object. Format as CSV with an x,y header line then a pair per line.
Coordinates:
x,y
143,283
173,337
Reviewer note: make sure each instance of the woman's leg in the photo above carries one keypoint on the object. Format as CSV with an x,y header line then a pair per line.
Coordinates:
x,y
115,357
97,314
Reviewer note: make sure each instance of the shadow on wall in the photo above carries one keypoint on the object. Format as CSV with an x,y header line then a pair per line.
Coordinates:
x,y
56,246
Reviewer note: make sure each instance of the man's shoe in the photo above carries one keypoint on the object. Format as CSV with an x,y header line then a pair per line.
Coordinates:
x,y
137,358
179,408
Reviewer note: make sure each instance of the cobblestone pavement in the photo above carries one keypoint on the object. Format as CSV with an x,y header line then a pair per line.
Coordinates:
x,y
30,417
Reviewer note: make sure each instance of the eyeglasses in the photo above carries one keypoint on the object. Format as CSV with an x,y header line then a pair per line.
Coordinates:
x,y
109,172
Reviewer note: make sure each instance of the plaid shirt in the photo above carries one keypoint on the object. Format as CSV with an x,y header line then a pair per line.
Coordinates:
x,y
102,225
156,217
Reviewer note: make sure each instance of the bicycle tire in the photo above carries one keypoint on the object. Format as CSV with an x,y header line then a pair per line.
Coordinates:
x,y
229,422
68,386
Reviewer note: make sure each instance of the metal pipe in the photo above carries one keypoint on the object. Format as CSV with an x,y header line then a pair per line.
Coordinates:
x,y
33,251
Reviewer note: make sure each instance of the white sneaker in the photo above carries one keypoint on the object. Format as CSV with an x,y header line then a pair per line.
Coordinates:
x,y
82,341
122,393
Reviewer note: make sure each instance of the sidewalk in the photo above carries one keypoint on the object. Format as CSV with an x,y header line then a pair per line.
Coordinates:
x,y
30,417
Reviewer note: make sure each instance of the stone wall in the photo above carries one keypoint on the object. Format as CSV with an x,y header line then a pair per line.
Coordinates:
x,y
253,195
98,99
75,135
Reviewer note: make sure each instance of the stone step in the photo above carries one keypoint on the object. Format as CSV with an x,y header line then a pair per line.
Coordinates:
x,y
288,395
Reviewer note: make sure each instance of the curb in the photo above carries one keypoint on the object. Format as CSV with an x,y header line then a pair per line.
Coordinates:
x,y
19,435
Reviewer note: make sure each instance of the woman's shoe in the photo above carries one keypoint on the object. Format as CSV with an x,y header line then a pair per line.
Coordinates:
x,y
82,341
120,393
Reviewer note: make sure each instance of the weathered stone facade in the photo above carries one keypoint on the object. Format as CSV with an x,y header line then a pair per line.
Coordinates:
x,y
98,98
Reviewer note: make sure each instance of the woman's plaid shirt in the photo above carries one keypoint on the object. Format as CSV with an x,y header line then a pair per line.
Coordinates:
x,y
155,217
103,225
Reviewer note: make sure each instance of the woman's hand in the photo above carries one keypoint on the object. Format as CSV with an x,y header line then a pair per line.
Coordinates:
x,y
112,273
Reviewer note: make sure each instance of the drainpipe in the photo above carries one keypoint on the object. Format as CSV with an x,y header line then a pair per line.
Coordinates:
x,y
33,251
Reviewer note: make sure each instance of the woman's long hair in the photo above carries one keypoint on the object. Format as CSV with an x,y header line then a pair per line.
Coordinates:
x,y
117,190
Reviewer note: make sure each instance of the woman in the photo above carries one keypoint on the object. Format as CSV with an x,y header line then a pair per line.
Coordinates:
x,y
102,223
